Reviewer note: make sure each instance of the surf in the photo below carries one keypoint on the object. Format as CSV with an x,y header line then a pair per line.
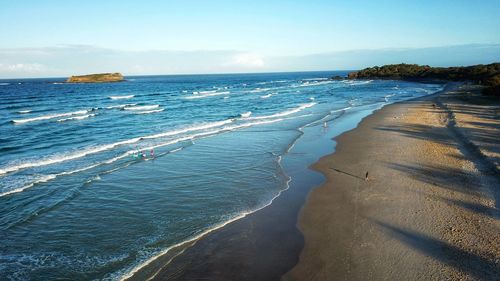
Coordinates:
x,y
48,117
121,97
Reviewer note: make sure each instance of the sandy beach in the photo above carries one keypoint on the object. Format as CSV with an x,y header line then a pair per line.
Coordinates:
x,y
429,210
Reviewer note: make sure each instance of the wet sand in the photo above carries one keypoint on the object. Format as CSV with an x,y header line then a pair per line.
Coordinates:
x,y
430,209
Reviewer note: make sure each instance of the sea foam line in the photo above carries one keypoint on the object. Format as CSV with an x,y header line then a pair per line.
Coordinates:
x,y
121,105
67,157
50,116
208,94
141,107
149,111
102,148
284,113
130,152
76,118
121,97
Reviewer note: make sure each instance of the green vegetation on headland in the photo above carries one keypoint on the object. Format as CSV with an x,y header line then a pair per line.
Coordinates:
x,y
96,78
487,75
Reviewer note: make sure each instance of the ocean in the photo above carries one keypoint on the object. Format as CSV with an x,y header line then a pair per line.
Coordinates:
x,y
99,180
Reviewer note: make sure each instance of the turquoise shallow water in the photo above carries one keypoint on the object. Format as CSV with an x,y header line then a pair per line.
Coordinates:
x,y
77,202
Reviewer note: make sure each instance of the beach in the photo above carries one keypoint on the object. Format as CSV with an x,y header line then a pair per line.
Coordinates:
x,y
230,193
429,210
426,212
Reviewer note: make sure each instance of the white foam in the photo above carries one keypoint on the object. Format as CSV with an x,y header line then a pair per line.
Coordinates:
x,y
357,82
148,261
246,114
204,92
258,90
121,105
150,111
142,107
266,96
21,189
4,84
76,118
50,116
24,111
285,113
210,94
310,84
121,97
82,153
315,79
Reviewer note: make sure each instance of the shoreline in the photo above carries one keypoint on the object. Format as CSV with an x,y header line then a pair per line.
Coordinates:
x,y
428,209
238,254
258,226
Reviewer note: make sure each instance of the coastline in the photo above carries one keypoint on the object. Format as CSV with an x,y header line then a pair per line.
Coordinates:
x,y
429,209
266,244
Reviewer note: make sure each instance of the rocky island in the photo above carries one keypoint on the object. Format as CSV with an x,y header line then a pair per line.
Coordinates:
x,y
487,75
96,78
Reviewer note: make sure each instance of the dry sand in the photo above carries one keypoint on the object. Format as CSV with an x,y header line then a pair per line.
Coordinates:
x,y
430,209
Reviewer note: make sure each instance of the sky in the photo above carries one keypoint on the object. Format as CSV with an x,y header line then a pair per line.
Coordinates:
x,y
61,38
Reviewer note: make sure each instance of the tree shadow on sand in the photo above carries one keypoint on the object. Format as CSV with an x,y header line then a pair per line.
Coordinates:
x,y
471,263
473,207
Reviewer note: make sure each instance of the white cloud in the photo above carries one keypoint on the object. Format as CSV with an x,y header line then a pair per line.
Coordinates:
x,y
247,60
66,60
22,67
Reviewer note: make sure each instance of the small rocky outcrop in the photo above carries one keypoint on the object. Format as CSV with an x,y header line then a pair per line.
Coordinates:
x,y
96,78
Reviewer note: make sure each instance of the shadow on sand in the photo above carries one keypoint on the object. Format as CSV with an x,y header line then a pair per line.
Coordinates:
x,y
471,263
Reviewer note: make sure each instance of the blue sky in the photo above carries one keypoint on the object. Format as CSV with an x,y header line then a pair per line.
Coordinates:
x,y
59,38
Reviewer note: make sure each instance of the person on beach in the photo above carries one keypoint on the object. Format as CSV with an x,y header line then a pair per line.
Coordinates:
x,y
366,176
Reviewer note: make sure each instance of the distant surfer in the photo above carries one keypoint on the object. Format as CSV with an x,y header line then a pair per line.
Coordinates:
x,y
152,153
324,125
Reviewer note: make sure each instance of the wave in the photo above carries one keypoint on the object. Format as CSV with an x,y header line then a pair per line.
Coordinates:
x,y
76,118
246,114
204,92
272,82
222,124
24,111
121,105
386,97
211,94
143,263
141,107
258,90
316,79
356,82
311,84
284,113
82,153
266,96
149,111
4,84
50,116
121,97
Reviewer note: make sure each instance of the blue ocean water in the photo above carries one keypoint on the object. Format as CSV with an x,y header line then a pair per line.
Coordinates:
x,y
97,180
